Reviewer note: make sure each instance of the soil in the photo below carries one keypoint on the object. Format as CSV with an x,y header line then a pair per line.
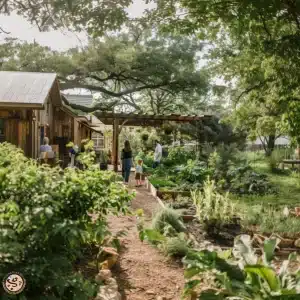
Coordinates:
x,y
142,272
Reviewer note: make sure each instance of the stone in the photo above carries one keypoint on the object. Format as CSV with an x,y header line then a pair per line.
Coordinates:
x,y
297,243
107,257
109,291
103,275
150,292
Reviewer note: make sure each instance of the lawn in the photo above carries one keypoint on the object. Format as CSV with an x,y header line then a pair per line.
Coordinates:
x,y
288,186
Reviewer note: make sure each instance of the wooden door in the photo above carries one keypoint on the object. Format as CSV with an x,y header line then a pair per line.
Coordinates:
x,y
12,131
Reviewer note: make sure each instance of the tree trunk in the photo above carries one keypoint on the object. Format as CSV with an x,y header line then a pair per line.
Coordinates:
x,y
270,145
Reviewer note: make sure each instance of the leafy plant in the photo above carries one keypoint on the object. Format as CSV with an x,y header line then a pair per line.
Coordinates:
x,y
161,182
212,208
167,216
193,171
243,180
178,155
175,246
245,276
87,157
46,222
276,158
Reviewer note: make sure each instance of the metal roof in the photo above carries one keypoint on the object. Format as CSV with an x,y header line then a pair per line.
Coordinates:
x,y
84,100
138,119
25,88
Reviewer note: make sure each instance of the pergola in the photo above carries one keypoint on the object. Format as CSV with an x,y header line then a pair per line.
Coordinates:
x,y
118,120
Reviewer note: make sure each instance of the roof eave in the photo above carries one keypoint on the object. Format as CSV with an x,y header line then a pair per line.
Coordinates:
x,y
21,105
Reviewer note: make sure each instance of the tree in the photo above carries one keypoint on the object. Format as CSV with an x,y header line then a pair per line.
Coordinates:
x,y
127,69
94,16
255,43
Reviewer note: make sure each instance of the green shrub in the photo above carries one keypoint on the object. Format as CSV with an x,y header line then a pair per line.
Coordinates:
x,y
275,222
175,246
243,180
224,158
244,276
45,225
212,208
161,182
276,158
165,217
193,171
178,155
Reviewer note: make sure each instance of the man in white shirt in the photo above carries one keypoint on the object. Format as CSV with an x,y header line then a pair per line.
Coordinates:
x,y
157,154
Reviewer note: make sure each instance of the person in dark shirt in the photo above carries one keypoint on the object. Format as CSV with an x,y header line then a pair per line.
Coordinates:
x,y
127,161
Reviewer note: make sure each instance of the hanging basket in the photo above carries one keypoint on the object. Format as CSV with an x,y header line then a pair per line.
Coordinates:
x,y
168,128
145,137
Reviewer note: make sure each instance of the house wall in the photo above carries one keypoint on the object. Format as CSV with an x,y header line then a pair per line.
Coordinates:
x,y
17,128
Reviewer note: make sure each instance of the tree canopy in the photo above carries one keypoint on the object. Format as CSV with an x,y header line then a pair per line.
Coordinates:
x,y
134,69
93,16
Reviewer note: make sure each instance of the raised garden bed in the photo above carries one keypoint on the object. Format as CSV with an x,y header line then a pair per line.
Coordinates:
x,y
224,237
162,196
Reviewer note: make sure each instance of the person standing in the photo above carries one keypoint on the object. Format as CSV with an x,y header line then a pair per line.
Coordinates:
x,y
157,154
127,161
139,173
45,147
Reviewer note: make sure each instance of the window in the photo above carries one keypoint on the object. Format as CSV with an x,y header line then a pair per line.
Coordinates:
x,y
98,140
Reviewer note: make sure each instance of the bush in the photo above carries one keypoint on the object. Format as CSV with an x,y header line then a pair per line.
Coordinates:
x,y
178,155
175,246
244,276
194,172
243,180
275,159
165,217
45,224
224,158
161,182
212,208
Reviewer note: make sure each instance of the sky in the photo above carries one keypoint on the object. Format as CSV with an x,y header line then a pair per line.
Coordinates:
x,y
58,40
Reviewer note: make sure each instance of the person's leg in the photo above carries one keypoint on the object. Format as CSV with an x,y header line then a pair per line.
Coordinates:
x,y
127,167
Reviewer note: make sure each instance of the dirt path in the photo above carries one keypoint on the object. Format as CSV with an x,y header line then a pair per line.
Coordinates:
x,y
143,273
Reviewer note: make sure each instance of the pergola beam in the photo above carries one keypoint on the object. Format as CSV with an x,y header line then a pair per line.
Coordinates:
x,y
117,119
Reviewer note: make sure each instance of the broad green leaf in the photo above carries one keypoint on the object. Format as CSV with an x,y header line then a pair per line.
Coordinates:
x,y
191,272
266,273
269,249
154,236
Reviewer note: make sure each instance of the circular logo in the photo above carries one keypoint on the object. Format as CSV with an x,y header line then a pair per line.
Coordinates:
x,y
14,283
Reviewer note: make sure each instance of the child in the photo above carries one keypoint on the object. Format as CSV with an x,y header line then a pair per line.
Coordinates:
x,y
139,173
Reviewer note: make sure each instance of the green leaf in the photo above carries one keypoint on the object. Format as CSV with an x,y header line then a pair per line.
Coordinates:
x,y
267,274
269,249
212,295
154,236
189,286
191,272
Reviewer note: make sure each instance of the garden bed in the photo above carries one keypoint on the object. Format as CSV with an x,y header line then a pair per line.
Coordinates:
x,y
162,196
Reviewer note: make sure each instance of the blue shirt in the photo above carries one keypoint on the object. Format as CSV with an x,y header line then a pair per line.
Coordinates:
x,y
139,169
45,148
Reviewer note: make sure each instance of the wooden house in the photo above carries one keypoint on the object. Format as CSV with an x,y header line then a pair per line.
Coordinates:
x,y
31,108
102,134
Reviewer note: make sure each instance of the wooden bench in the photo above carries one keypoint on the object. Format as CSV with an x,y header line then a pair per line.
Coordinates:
x,y
292,162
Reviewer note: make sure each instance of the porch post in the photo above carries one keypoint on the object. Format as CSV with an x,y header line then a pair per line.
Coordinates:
x,y
115,148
